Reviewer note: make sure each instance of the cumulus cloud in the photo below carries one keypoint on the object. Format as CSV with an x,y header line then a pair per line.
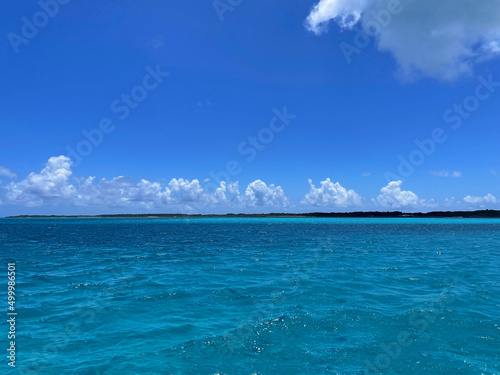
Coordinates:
x,y
439,39
6,172
118,192
480,200
259,194
331,194
55,185
392,196
444,173
47,186
346,12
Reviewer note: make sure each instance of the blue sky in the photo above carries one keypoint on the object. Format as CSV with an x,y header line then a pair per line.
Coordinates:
x,y
352,123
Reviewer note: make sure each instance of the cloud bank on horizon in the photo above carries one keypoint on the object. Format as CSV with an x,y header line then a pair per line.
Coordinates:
x,y
55,185
438,39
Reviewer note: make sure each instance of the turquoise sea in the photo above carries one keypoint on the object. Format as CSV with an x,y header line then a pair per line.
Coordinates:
x,y
253,296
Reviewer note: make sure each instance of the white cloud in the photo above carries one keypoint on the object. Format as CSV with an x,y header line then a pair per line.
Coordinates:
x,y
393,197
480,200
118,192
331,195
444,173
227,193
346,12
6,172
440,39
52,186
259,194
55,185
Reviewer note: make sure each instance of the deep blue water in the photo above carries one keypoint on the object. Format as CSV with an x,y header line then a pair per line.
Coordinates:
x,y
253,296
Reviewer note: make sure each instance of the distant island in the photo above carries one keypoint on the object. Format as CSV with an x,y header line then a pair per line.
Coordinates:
x,y
361,214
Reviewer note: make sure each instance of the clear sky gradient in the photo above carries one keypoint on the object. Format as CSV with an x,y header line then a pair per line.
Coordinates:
x,y
269,93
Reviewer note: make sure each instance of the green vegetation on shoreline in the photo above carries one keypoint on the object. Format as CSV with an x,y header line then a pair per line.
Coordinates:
x,y
375,214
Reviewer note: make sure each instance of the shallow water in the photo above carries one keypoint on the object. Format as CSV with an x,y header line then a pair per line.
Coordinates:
x,y
254,296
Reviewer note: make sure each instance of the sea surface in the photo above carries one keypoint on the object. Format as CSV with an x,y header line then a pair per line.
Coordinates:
x,y
253,296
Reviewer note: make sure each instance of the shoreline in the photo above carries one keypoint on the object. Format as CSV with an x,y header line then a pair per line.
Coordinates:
x,y
479,214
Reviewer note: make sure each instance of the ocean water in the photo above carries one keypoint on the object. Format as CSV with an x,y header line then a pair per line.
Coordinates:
x,y
253,296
